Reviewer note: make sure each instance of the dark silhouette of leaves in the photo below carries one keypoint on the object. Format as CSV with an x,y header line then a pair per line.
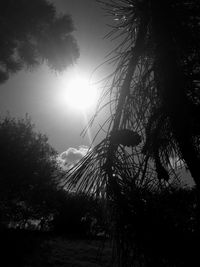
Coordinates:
x,y
32,33
28,168
154,92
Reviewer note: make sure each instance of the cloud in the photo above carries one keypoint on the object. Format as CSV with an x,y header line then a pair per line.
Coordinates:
x,y
71,156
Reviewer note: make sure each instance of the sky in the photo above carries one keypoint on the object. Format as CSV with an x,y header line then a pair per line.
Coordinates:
x,y
36,92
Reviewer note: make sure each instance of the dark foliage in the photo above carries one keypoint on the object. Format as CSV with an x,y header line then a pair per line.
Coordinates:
x,y
156,229
154,92
31,33
28,168
77,215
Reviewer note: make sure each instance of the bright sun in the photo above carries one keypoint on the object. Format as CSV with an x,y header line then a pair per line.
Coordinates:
x,y
77,93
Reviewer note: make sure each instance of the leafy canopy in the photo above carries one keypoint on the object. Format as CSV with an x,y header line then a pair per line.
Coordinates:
x,y
32,33
28,167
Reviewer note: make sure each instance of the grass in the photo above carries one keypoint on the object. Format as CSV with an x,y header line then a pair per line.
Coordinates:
x,y
59,251
33,249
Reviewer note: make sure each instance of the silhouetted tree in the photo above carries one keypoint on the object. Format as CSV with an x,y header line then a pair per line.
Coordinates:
x,y
154,93
31,33
28,168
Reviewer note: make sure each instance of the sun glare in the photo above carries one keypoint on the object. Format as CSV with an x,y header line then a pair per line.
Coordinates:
x,y
77,93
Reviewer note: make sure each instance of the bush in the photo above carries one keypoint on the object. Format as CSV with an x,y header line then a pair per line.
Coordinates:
x,y
27,170
158,228
77,215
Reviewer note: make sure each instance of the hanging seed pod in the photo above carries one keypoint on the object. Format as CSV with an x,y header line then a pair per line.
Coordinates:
x,y
125,137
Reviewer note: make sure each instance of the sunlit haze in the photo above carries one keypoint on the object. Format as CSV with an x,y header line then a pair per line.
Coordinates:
x,y
77,93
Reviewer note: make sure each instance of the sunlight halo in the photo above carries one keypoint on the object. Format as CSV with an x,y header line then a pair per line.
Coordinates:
x,y
77,93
